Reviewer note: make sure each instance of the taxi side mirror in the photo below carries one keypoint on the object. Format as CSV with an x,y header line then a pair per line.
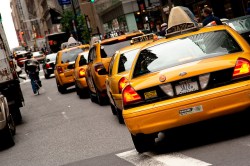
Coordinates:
x,y
71,66
102,71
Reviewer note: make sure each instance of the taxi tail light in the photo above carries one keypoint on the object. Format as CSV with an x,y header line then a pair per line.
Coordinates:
x,y
99,66
82,73
130,96
242,68
204,79
167,88
122,82
47,66
59,69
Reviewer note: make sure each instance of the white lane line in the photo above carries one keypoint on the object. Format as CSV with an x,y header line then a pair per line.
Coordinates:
x,y
172,159
64,115
49,99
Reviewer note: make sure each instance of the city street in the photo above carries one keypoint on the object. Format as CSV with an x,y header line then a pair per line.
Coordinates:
x,y
65,130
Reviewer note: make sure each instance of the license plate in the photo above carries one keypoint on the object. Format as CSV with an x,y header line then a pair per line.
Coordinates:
x,y
186,87
149,95
191,110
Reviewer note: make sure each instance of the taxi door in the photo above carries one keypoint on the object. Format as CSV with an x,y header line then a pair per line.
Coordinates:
x,y
89,77
110,79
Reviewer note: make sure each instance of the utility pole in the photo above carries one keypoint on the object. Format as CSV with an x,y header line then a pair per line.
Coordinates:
x,y
75,20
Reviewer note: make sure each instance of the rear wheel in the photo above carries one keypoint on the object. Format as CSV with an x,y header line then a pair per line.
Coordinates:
x,y
61,88
16,114
143,142
119,116
7,136
46,76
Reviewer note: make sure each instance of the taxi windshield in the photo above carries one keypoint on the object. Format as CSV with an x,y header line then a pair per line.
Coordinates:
x,y
185,50
69,56
241,25
126,60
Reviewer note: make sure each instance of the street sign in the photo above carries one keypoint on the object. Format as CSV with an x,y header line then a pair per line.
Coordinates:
x,y
64,2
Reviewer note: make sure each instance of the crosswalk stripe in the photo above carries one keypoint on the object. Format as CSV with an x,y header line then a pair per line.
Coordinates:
x,y
151,159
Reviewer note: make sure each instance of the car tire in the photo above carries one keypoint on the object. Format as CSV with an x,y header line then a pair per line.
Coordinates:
x,y
113,109
60,88
46,76
16,114
143,142
8,137
119,115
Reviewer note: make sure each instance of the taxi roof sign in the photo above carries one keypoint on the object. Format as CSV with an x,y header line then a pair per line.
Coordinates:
x,y
181,20
143,38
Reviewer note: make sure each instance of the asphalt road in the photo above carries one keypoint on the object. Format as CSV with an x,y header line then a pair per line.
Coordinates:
x,y
61,129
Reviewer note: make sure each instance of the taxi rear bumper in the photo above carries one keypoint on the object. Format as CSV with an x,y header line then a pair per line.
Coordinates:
x,y
176,112
66,81
81,83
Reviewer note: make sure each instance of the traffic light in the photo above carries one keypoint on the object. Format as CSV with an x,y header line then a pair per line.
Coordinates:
x,y
92,1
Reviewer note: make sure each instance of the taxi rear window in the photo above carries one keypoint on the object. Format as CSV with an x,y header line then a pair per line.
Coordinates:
x,y
126,60
69,56
111,48
185,50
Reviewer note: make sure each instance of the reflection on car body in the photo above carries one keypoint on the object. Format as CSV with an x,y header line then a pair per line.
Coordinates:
x,y
201,74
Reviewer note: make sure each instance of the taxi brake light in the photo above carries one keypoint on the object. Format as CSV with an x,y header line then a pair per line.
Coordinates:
x,y
59,69
129,96
47,66
242,68
81,73
121,84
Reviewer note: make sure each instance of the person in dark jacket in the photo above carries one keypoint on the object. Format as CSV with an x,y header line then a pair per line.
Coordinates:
x,y
164,27
209,17
32,68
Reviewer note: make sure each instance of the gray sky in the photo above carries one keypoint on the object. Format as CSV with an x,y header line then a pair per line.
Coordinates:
x,y
8,25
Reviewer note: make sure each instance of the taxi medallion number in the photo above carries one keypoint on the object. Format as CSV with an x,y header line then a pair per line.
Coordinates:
x,y
186,86
143,38
149,95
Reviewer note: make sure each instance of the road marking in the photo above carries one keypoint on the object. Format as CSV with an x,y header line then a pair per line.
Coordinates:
x,y
148,158
49,99
64,115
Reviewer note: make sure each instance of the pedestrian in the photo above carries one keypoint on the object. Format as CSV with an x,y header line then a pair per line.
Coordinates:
x,y
32,68
164,27
248,8
209,17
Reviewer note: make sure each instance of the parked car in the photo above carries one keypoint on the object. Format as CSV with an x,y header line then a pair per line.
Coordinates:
x,y
119,68
39,56
64,66
7,125
193,75
98,61
49,65
80,73
241,25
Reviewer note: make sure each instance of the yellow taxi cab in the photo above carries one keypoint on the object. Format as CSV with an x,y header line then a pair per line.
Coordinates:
x,y
64,66
119,68
98,61
193,75
80,73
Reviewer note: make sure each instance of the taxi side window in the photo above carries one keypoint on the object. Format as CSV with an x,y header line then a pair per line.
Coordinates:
x,y
82,61
122,61
111,64
103,53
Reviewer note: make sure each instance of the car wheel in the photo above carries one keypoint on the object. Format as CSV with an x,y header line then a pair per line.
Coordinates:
x,y
60,88
12,125
100,99
119,116
8,139
143,142
113,108
77,89
46,75
16,114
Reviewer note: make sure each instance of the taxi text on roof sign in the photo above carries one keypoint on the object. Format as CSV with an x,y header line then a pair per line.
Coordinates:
x,y
181,20
142,38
